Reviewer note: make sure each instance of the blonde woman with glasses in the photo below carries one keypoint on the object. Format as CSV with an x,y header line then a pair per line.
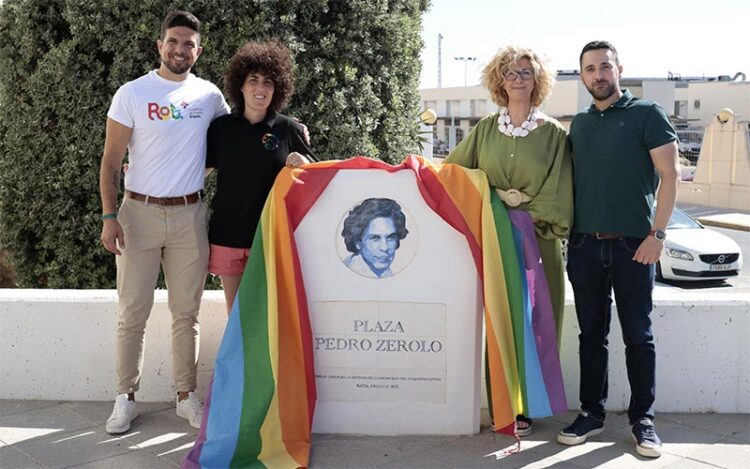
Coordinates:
x,y
526,157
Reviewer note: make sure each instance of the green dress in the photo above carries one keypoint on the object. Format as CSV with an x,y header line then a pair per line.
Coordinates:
x,y
540,166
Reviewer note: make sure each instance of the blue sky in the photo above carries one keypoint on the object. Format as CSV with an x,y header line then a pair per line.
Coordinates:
x,y
653,37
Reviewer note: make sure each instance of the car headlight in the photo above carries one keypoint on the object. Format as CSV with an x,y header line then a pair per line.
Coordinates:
x,y
679,254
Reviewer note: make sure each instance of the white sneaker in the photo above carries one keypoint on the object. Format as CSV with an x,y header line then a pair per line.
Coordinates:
x,y
123,413
190,409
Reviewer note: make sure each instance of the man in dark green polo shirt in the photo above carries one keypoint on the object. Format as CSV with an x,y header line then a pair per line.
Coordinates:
x,y
623,149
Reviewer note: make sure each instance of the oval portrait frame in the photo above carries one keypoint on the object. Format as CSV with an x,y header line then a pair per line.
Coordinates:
x,y
405,253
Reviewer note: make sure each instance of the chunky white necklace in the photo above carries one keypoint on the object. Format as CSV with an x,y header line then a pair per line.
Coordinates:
x,y
504,125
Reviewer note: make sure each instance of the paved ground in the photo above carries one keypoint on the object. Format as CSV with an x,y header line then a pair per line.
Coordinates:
x,y
71,434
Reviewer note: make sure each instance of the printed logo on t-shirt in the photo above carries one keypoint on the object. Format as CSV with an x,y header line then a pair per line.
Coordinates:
x,y
270,141
195,112
173,112
165,113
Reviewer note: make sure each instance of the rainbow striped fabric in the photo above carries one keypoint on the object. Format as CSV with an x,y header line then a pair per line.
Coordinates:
x,y
261,401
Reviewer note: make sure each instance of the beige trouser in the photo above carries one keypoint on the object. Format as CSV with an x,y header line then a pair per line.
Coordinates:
x,y
176,237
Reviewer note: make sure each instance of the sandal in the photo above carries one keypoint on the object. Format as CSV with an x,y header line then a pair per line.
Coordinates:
x,y
523,425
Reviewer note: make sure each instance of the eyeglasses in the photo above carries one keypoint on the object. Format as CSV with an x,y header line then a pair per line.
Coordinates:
x,y
525,74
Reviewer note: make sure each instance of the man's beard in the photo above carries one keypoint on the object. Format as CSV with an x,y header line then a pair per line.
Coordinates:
x,y
602,94
177,69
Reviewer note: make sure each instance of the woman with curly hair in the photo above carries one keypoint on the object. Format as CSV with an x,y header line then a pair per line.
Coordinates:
x,y
527,161
248,148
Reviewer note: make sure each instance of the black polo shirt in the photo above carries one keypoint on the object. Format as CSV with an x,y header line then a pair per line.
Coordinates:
x,y
247,157
614,177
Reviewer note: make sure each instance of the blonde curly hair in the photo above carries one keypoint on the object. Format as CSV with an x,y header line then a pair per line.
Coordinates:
x,y
493,74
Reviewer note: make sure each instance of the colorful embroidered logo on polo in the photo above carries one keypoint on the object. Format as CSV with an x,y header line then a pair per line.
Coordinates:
x,y
165,113
270,142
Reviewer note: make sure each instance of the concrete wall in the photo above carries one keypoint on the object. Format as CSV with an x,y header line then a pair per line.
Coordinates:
x,y
722,176
661,92
703,356
458,92
58,344
715,95
565,98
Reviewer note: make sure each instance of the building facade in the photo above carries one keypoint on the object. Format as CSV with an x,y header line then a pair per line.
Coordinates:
x,y
691,102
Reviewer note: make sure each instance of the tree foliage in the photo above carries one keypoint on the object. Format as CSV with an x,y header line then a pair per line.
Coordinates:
x,y
357,70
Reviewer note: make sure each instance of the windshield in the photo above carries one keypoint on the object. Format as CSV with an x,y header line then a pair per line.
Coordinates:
x,y
681,220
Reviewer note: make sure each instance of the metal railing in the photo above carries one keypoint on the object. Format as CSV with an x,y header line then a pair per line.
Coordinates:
x,y
689,143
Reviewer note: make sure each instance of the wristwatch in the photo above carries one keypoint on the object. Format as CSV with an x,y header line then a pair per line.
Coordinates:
x,y
660,235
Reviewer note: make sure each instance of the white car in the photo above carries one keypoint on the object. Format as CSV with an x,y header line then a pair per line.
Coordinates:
x,y
693,252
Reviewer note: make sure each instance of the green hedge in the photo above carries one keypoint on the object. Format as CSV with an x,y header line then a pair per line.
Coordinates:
x,y
61,62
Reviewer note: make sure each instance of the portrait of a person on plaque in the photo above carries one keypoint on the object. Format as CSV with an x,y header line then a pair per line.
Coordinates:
x,y
372,233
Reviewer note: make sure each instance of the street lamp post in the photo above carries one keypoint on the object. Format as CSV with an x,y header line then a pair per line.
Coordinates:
x,y
465,60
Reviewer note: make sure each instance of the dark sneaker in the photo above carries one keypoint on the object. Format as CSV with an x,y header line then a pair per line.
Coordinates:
x,y
584,426
647,442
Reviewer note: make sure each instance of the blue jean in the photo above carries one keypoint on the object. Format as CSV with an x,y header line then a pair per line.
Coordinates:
x,y
596,268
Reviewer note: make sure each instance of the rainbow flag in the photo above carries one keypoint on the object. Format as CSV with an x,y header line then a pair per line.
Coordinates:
x,y
260,404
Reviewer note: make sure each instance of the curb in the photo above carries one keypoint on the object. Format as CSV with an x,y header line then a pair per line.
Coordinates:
x,y
723,224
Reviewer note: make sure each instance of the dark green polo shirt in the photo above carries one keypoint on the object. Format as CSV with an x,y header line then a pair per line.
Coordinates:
x,y
614,178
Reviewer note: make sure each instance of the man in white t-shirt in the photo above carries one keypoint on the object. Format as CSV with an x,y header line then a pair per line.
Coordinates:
x,y
160,120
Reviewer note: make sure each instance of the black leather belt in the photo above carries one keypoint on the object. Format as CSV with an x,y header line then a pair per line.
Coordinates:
x,y
604,236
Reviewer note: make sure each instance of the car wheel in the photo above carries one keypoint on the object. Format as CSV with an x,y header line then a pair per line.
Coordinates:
x,y
659,276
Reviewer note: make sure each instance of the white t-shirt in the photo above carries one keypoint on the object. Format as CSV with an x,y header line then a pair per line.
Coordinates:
x,y
167,150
